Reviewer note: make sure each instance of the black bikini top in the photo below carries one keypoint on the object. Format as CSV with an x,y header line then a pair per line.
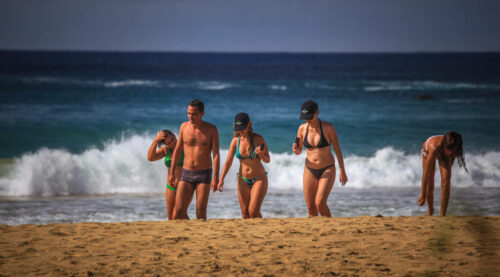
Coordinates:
x,y
322,141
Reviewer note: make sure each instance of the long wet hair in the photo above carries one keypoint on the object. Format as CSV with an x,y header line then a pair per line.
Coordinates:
x,y
453,141
167,134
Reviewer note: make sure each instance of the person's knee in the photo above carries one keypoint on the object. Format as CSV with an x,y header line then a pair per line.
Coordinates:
x,y
201,212
312,209
174,215
445,184
253,212
312,213
320,203
311,205
430,188
245,213
177,212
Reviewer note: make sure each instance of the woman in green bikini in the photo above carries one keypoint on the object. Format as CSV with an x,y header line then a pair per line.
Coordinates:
x,y
163,147
250,149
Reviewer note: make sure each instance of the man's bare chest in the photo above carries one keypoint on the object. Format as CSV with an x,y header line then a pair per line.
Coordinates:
x,y
196,137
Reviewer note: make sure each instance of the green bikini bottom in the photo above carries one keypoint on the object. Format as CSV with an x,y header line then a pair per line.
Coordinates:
x,y
250,181
171,188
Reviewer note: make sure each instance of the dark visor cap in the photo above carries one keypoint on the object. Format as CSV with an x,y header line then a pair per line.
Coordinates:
x,y
241,121
308,109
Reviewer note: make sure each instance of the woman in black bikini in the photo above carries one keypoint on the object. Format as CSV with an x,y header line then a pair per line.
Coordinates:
x,y
319,171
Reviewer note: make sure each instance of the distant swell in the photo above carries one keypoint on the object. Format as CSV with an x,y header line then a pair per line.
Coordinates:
x,y
122,167
425,86
215,85
91,83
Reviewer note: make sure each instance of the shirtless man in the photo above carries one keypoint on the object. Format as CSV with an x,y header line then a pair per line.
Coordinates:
x,y
197,139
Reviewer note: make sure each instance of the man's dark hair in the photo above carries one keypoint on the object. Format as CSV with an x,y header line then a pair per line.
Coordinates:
x,y
199,104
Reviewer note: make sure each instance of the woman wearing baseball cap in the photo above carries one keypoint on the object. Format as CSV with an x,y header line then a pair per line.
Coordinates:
x,y
319,173
250,148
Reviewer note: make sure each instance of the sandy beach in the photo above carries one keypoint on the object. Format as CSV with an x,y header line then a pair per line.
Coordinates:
x,y
362,246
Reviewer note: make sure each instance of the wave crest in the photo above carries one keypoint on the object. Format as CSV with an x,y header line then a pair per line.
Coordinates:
x,y
122,167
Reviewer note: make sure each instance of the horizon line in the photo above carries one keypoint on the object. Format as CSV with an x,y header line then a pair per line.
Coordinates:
x,y
251,52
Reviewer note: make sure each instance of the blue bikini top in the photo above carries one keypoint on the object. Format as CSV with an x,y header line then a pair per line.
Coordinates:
x,y
252,154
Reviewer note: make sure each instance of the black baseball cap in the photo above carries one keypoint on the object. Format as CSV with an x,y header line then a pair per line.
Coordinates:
x,y
308,109
241,121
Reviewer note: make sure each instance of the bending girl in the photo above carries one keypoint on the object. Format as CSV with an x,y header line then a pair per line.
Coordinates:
x,y
444,148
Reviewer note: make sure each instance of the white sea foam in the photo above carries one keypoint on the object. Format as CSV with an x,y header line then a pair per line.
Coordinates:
x,y
213,85
129,83
122,167
278,87
321,85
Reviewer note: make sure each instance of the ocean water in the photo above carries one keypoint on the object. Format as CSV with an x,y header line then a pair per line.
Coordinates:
x,y
76,127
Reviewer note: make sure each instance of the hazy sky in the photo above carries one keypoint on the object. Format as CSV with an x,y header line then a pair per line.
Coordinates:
x,y
251,26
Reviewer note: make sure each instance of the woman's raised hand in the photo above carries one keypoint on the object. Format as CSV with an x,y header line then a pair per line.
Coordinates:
x,y
160,136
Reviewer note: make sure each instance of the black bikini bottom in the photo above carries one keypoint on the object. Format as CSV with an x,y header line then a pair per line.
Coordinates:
x,y
318,172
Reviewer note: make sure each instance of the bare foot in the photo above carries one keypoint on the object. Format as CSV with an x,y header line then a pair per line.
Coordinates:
x,y
430,212
421,200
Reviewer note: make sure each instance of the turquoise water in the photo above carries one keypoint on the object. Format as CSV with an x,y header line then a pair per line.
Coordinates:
x,y
80,124
80,100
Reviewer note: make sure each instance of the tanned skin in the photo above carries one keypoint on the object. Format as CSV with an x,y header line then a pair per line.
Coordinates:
x,y
316,191
155,154
250,198
429,171
200,142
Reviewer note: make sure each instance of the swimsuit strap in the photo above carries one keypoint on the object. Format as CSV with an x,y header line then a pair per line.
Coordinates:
x,y
168,158
306,142
427,143
322,141
252,154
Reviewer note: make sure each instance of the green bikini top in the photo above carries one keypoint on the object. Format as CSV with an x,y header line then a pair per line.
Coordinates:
x,y
252,154
168,159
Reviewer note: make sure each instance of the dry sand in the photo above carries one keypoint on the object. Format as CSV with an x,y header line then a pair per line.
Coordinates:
x,y
363,246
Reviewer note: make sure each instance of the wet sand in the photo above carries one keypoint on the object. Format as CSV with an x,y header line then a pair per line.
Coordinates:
x,y
361,246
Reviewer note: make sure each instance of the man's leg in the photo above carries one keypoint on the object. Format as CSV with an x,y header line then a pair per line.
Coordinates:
x,y
202,193
183,199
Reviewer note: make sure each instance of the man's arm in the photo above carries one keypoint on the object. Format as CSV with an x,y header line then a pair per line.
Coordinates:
x,y
216,158
179,147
